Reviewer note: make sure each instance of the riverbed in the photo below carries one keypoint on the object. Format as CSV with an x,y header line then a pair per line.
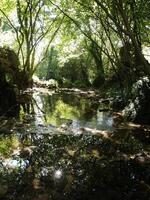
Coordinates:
x,y
71,146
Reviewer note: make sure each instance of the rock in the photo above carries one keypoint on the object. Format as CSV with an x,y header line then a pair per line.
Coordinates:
x,y
8,72
118,103
138,109
26,152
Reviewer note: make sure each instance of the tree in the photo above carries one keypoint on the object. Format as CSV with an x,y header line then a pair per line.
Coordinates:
x,y
122,19
119,28
36,26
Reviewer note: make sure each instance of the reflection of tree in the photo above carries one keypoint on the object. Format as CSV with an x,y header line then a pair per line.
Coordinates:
x,y
51,102
86,161
68,106
26,102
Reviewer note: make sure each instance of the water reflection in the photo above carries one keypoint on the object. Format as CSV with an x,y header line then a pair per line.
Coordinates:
x,y
38,110
40,162
70,110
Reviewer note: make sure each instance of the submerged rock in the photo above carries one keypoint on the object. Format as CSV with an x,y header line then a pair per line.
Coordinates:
x,y
138,109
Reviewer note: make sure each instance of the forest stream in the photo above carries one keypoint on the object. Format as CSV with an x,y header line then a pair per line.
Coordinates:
x,y
65,146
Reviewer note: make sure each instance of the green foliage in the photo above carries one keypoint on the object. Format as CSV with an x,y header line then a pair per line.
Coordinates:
x,y
79,40
7,145
7,6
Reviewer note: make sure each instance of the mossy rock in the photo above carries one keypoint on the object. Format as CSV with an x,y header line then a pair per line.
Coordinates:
x,y
138,109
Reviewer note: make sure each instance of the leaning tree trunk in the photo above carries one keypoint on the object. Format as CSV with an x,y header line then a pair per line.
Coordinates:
x,y
97,55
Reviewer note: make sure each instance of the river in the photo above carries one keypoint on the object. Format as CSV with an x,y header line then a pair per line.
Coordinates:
x,y
61,146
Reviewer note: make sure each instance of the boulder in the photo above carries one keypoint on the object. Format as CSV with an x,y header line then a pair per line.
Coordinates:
x,y
138,109
8,65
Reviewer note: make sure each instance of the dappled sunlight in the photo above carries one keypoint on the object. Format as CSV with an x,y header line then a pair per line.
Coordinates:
x,y
105,134
66,165
58,174
13,164
74,100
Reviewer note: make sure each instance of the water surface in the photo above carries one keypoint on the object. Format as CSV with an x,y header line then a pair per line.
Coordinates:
x,y
62,147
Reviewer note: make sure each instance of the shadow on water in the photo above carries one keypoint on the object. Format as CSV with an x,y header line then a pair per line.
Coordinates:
x,y
63,147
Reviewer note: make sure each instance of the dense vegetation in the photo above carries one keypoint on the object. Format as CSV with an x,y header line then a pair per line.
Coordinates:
x,y
74,99
77,43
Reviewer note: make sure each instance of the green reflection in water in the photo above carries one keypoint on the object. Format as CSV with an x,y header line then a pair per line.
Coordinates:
x,y
74,111
39,162
62,112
